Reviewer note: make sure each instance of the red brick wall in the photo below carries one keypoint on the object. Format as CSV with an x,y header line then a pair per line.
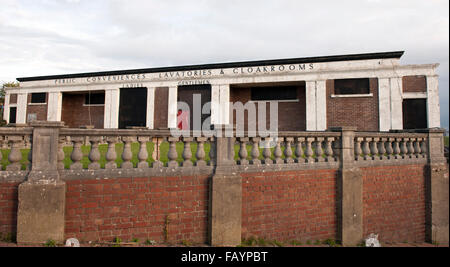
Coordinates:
x,y
8,207
361,112
291,115
137,208
414,84
75,114
39,109
285,206
394,202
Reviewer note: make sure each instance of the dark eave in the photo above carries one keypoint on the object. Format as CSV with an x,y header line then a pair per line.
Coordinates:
x,y
384,55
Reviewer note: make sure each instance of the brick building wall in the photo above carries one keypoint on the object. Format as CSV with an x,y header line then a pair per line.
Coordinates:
x,y
286,206
76,114
39,109
13,99
414,84
291,115
360,112
161,107
143,208
394,202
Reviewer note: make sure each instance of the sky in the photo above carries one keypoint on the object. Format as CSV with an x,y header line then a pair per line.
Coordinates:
x,y
49,37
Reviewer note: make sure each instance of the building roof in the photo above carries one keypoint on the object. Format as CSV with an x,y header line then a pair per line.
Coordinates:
x,y
367,56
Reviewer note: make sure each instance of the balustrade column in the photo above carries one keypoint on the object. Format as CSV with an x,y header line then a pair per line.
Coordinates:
x,y
417,150
309,151
111,154
15,156
329,149
288,150
366,148
77,154
143,153
173,154
201,154
319,149
410,146
382,148
403,148
255,151
187,153
94,155
277,152
424,147
267,152
389,148
396,148
156,154
243,154
127,153
299,150
374,148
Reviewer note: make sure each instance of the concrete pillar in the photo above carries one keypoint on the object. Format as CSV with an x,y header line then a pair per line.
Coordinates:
x,y
225,197
22,104
151,107
396,93
215,104
311,106
433,105
437,188
41,209
112,103
54,106
6,107
225,104
384,101
321,105
350,191
173,107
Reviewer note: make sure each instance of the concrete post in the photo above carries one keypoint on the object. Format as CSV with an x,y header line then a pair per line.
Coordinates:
x,y
42,197
225,197
350,191
437,189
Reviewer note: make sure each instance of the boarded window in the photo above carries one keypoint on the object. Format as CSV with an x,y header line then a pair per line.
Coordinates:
x,y
351,86
38,98
274,93
94,99
415,114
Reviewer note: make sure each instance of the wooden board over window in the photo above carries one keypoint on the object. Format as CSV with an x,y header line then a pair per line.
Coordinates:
x,y
38,98
351,86
274,93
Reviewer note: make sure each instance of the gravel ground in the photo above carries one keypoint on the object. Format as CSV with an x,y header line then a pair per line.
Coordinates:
x,y
4,244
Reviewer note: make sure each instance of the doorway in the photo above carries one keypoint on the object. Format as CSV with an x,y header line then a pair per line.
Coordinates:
x,y
186,94
12,114
133,107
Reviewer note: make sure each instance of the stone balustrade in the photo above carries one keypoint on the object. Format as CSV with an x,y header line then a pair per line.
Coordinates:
x,y
90,149
59,155
12,142
385,147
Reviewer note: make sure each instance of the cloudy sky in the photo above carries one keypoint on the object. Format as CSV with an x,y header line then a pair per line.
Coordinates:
x,y
43,37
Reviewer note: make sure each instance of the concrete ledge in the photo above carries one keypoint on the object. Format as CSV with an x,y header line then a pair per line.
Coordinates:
x,y
13,176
